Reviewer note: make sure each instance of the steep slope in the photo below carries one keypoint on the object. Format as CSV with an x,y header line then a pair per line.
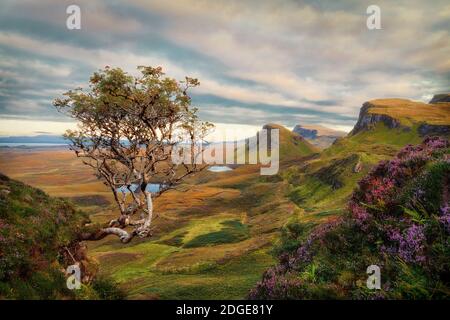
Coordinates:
x,y
37,242
398,219
318,136
438,98
404,113
384,126
292,145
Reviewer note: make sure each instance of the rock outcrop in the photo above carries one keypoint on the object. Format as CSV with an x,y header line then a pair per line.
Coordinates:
x,y
431,118
430,130
304,132
367,120
317,135
438,98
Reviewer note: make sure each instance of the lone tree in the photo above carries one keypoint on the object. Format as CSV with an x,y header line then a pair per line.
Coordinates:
x,y
128,129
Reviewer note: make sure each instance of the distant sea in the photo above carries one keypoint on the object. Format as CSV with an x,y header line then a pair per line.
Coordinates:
x,y
30,144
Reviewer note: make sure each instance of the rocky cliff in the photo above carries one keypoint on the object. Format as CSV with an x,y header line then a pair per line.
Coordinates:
x,y
438,98
367,120
431,119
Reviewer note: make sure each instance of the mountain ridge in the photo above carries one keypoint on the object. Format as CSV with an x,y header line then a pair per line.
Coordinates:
x,y
404,113
317,135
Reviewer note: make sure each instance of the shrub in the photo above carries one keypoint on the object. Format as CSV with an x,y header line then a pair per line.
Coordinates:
x,y
398,218
33,228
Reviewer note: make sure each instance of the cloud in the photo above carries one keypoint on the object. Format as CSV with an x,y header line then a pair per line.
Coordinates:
x,y
40,67
257,60
33,127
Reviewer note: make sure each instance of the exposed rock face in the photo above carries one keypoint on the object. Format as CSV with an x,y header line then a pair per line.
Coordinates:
x,y
443,97
367,120
317,135
305,133
429,129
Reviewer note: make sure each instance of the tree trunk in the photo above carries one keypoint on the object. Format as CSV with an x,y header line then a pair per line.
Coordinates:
x,y
124,236
144,230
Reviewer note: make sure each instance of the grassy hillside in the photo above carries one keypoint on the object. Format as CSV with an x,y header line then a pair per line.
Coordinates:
x,y
212,238
292,145
34,227
398,219
205,233
325,182
37,242
411,112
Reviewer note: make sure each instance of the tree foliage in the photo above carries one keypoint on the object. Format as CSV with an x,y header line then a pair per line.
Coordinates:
x,y
129,128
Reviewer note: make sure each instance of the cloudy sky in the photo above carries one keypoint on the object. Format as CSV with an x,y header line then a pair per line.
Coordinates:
x,y
312,62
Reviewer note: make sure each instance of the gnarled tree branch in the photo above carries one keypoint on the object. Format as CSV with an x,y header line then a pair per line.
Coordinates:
x,y
128,129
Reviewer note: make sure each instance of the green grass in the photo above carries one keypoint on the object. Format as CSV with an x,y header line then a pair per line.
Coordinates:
x,y
195,228
34,229
233,231
140,271
208,257
231,280
176,240
329,179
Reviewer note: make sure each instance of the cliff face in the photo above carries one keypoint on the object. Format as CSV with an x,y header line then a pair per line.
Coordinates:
x,y
438,130
438,98
432,118
367,120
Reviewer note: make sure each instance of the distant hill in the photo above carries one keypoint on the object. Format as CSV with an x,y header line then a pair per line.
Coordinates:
x,y
317,135
438,98
291,144
34,139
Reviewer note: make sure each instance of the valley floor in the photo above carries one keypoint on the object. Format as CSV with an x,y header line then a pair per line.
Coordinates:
x,y
212,238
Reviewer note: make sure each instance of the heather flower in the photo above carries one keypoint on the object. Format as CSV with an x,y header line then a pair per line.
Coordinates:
x,y
445,217
381,191
274,286
359,214
409,245
395,168
375,212
445,209
304,253
435,142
